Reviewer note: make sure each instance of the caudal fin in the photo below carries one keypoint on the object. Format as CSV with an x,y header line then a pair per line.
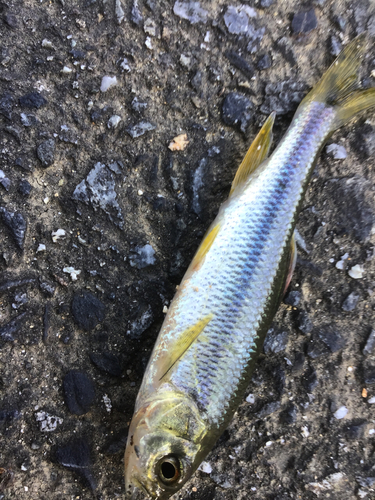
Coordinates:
x,y
340,85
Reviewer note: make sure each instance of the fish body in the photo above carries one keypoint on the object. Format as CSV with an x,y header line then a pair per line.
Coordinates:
x,y
215,327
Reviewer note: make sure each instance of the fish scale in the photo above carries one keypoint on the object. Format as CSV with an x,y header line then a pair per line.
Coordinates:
x,y
215,327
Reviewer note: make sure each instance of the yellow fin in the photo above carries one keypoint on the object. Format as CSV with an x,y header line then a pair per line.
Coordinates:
x,y
339,85
256,154
184,342
292,262
204,247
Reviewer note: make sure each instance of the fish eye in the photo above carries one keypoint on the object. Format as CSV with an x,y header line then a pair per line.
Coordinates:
x,y
169,470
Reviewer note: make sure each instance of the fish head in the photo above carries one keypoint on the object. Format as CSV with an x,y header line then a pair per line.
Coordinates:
x,y
163,448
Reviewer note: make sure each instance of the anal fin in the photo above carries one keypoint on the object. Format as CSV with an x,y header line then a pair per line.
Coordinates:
x,y
292,262
256,154
185,340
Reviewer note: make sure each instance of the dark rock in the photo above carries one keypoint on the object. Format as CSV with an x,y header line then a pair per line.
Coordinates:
x,y
139,129
142,257
197,80
24,188
292,298
237,110
268,409
304,22
283,97
284,46
76,456
351,301
264,62
370,344
331,338
87,310
370,375
310,380
365,140
79,392
16,224
355,430
240,63
6,105
7,331
298,362
160,204
78,54
32,100
289,415
141,322
316,349
46,152
107,362
135,14
304,324
19,162
275,341
11,20
46,287
13,284
138,105
7,417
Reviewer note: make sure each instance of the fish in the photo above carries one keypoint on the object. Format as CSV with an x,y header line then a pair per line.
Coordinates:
x,y
215,327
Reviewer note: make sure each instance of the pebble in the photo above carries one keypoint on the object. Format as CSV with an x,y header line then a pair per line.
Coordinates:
x,y
250,399
73,272
305,325
9,329
142,322
125,65
6,105
107,362
46,153
4,181
351,302
289,415
283,97
47,44
20,299
148,43
237,110
197,185
33,100
179,143
341,264
120,14
150,27
24,188
79,392
371,401
304,22
142,257
99,189
266,3
57,235
357,272
87,310
237,19
107,83
264,62
275,341
335,46
140,129
114,121
66,70
138,105
336,151
341,412
28,120
292,298
331,338
16,224
76,456
135,14
47,422
370,344
41,248
240,63
191,11
205,467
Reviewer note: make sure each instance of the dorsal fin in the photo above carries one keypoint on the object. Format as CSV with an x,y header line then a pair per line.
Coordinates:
x,y
204,247
185,340
256,154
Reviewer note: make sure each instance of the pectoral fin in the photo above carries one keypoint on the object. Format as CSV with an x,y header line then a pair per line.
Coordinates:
x,y
256,154
185,340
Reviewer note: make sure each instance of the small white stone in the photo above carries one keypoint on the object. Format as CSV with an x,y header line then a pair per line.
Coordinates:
x,y
66,70
107,83
73,272
305,431
205,467
140,192
107,403
41,248
56,235
185,60
47,44
250,399
148,43
341,412
357,272
371,400
165,309
114,121
371,432
269,443
125,65
336,151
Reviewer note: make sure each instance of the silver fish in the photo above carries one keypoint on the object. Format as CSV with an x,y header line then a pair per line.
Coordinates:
x,y
208,345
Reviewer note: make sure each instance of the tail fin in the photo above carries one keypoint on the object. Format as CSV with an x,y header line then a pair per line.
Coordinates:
x,y
340,84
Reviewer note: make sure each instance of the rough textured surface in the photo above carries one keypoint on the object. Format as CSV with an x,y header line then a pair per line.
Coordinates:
x,y
285,441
